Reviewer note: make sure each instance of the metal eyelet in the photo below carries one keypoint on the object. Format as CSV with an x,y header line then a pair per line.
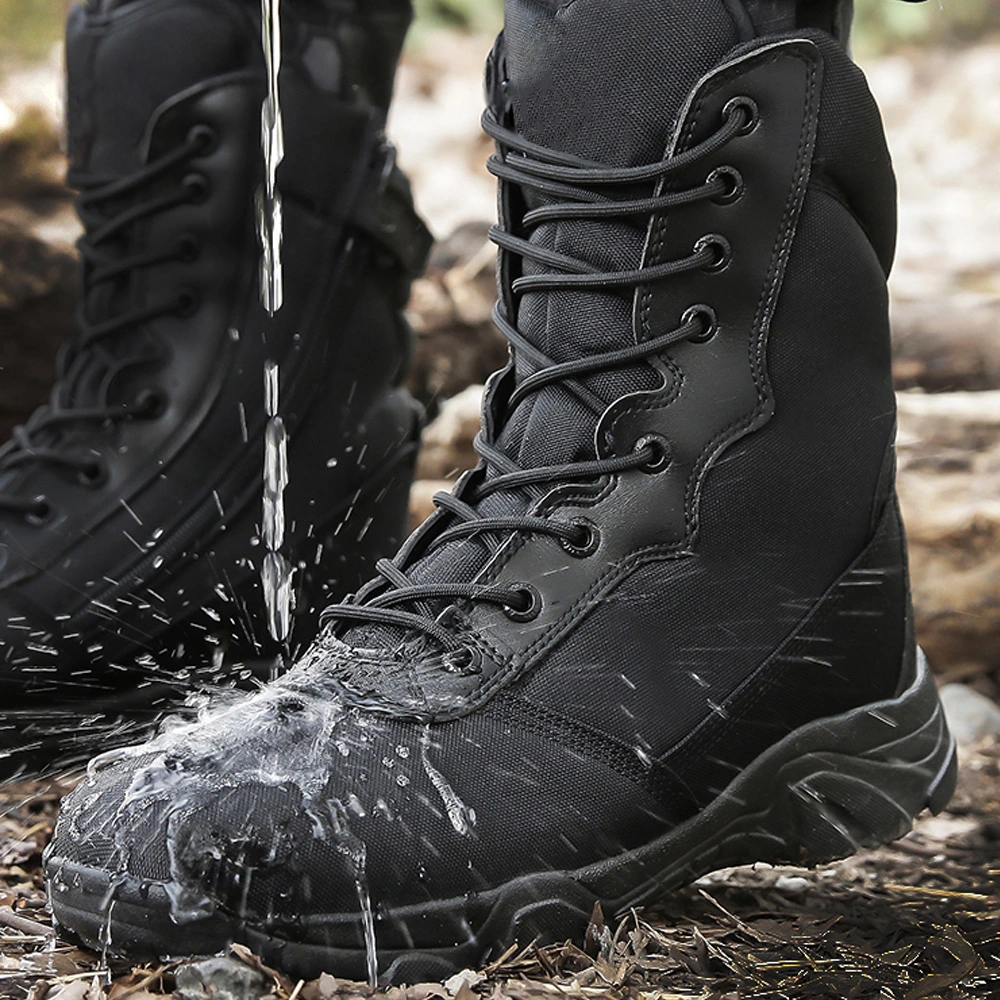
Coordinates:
x,y
188,248
188,301
92,475
661,453
465,661
198,187
750,110
590,539
722,252
705,315
150,403
531,597
41,513
735,185
204,136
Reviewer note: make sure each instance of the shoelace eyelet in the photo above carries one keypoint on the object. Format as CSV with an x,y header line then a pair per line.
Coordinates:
x,y
590,539
150,403
735,185
528,595
722,252
188,301
750,110
198,187
204,136
93,475
661,453
465,661
705,315
41,513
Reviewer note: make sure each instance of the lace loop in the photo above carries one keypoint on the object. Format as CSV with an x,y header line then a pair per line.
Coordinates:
x,y
577,189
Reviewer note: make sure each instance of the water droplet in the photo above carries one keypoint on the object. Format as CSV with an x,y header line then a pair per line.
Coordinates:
x,y
462,818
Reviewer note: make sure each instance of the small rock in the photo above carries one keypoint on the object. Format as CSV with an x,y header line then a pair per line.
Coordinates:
x,y
971,716
792,885
220,979
466,978
327,986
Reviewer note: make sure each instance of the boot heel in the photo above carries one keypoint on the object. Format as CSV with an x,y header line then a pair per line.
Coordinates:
x,y
897,758
826,790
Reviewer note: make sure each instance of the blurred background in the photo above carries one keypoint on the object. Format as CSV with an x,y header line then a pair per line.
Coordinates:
x,y
30,27
935,68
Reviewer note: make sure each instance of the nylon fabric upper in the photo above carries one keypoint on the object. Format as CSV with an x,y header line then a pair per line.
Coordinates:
x,y
588,59
591,60
258,804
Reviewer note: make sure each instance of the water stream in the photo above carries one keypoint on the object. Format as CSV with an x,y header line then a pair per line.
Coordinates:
x,y
269,217
276,571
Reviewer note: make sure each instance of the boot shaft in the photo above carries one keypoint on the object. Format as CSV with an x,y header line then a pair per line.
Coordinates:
x,y
701,388
136,101
775,421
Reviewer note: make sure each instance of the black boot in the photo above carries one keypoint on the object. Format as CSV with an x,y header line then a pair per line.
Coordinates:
x,y
130,507
664,626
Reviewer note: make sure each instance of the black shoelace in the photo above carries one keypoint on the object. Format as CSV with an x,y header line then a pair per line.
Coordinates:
x,y
34,441
580,190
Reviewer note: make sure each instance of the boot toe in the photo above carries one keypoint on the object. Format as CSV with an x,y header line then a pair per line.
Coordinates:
x,y
287,816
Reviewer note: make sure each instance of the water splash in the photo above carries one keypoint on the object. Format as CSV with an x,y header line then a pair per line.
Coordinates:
x,y
269,211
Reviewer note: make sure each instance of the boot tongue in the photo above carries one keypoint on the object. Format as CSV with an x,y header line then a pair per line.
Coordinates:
x,y
606,82
123,61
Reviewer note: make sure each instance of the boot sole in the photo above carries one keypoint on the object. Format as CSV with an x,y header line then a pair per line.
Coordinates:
x,y
825,791
38,742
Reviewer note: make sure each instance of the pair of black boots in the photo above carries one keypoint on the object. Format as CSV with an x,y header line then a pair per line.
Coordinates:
x,y
663,627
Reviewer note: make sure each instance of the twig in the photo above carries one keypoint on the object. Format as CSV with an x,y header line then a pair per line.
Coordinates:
x,y
24,925
145,981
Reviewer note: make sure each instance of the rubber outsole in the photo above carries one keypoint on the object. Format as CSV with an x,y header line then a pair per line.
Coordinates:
x,y
823,792
57,738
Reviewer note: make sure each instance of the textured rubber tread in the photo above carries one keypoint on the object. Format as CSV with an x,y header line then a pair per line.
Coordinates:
x,y
826,790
